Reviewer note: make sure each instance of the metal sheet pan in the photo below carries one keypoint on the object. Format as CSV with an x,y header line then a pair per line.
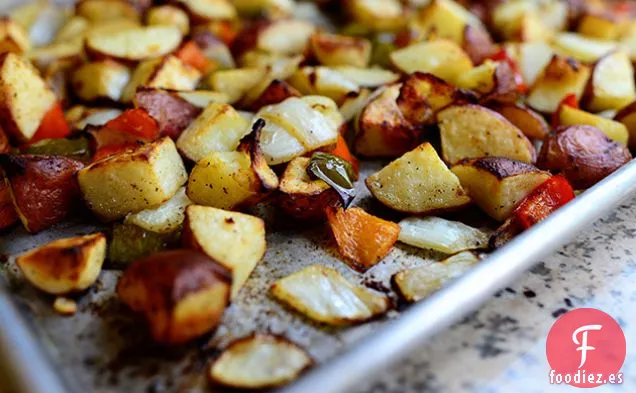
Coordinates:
x,y
104,348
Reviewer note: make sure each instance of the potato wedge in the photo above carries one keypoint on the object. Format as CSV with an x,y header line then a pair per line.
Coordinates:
x,y
611,85
236,82
301,197
418,283
445,19
218,128
378,15
64,265
259,361
470,131
600,26
442,58
208,10
322,81
100,80
532,124
340,50
172,113
163,73
98,11
13,38
182,294
134,180
493,81
583,154
583,49
323,295
498,185
616,131
418,182
368,77
434,233
133,44
627,116
165,218
24,97
562,76
168,15
43,188
363,240
234,240
533,59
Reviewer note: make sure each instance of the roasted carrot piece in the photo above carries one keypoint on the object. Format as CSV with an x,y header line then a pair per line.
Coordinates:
x,y
363,239
342,150
191,54
53,125
569,100
136,122
109,150
543,200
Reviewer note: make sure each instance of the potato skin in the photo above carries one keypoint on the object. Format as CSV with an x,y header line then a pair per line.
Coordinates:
x,y
157,285
43,188
172,113
584,154
277,91
8,215
478,44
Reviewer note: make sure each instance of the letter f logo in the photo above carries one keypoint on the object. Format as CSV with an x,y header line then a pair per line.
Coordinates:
x,y
583,344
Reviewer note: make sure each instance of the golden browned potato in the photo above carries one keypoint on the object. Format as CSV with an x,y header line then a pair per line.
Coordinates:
x,y
64,265
208,10
301,197
24,97
234,240
96,11
132,44
532,59
378,15
133,180
236,82
170,110
562,76
600,25
163,73
381,128
79,117
322,81
611,85
583,49
418,182
182,294
73,31
627,116
584,154
168,15
446,19
218,128
13,38
368,77
442,58
569,116
532,124
282,37
340,50
518,21
493,81
100,80
470,131
497,184
43,188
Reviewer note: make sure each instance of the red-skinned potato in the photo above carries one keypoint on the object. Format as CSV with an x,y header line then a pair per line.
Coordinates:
x,y
8,215
277,91
43,188
532,124
172,113
478,44
182,294
583,154
301,197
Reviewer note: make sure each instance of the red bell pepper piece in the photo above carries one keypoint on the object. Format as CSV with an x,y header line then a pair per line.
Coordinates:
x,y
569,100
502,55
543,200
135,122
53,125
342,150
109,150
192,55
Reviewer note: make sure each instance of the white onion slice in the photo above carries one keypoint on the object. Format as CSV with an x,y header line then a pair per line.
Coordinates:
x,y
165,218
449,237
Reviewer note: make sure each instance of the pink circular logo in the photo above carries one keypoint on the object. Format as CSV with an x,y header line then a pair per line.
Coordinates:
x,y
586,348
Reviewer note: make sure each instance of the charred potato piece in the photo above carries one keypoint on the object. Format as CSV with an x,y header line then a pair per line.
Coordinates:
x,y
339,50
8,215
64,265
182,294
234,240
218,128
498,185
248,363
584,154
493,81
167,15
532,124
132,44
301,197
378,15
43,188
24,97
627,116
611,85
164,73
100,80
470,131
418,182
616,131
172,113
134,180
12,37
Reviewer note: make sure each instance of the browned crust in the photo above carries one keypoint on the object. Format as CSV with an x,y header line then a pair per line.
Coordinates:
x,y
499,167
7,122
248,37
266,178
531,119
172,113
505,87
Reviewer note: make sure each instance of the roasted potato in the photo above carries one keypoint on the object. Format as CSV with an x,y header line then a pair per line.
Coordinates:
x,y
583,49
182,294
599,25
532,59
446,19
208,10
234,240
583,154
477,44
339,50
470,131
13,38
368,77
133,180
202,98
165,218
611,85
442,58
43,188
496,184
378,15
163,73
236,82
627,116
281,37
616,131
132,44
73,32
493,81
167,15
64,265
323,81
172,112
25,98
100,80
218,128
97,11
301,197
8,215
418,182
562,76
532,124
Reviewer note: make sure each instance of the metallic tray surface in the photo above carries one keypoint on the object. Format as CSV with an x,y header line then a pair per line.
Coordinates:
x,y
104,348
